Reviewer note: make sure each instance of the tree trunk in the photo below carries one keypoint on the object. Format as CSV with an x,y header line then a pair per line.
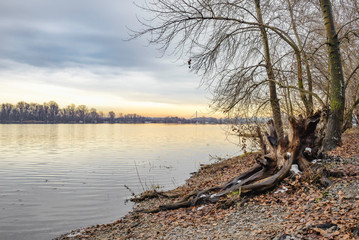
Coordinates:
x,y
308,102
310,82
308,107
337,93
270,73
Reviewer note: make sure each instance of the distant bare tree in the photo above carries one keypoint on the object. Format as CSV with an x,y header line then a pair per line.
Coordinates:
x,y
82,113
6,110
23,109
70,112
53,111
112,116
93,115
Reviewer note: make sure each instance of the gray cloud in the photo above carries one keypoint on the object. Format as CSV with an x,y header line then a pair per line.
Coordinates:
x,y
58,33
85,37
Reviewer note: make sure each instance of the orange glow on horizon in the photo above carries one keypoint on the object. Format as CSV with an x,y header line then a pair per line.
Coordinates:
x,y
175,111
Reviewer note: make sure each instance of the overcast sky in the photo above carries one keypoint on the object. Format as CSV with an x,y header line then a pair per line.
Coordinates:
x,y
73,52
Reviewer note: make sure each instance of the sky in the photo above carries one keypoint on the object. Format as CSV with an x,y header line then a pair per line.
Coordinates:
x,y
75,52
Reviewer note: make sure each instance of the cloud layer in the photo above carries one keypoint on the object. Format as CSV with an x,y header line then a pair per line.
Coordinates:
x,y
76,48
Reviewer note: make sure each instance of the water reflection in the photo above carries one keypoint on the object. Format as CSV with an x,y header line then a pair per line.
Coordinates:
x,y
54,178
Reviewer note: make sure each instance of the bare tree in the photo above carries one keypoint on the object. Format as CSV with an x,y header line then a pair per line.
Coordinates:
x,y
308,102
23,108
6,110
232,44
270,73
82,113
53,111
93,115
232,48
225,42
348,34
337,94
112,116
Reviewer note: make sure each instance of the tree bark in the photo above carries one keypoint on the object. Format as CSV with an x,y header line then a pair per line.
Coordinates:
x,y
274,101
337,92
308,107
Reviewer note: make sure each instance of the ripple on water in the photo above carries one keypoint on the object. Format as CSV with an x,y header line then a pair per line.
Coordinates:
x,y
54,178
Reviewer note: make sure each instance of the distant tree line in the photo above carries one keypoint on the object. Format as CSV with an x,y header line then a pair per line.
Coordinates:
x,y
51,113
48,112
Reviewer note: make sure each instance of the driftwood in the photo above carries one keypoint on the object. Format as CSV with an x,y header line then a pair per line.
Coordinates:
x,y
152,194
300,147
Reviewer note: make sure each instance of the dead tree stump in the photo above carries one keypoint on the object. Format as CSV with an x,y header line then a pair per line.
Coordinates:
x,y
300,146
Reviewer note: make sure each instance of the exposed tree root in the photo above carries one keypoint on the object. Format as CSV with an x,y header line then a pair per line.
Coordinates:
x,y
273,166
152,194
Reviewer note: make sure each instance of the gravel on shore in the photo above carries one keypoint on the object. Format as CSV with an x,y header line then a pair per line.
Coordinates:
x,y
300,211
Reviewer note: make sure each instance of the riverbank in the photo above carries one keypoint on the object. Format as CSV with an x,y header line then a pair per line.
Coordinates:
x,y
295,208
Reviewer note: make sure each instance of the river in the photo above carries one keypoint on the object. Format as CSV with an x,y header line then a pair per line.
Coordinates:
x,y
55,178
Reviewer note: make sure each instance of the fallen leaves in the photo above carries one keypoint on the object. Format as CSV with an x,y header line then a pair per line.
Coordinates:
x,y
303,209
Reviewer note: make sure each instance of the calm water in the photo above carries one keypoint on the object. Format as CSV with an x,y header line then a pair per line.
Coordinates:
x,y
55,178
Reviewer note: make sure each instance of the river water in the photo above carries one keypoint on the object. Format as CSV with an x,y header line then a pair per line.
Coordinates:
x,y
55,178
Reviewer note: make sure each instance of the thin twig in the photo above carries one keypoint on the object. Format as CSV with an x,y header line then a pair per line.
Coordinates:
x,y
139,178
